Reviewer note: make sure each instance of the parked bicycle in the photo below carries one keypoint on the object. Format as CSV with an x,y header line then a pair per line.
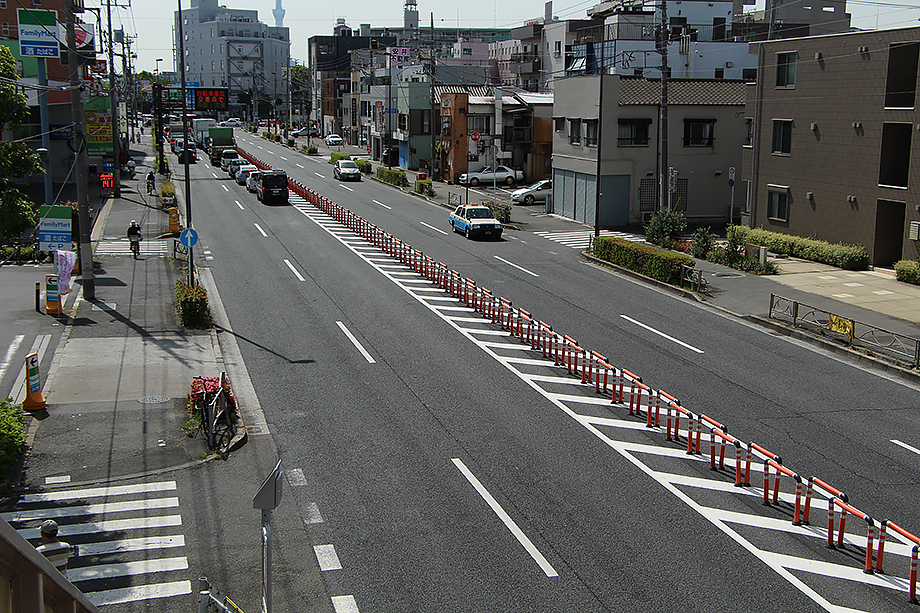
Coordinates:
x,y
216,406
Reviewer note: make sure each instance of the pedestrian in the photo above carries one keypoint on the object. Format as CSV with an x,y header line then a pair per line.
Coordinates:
x,y
57,552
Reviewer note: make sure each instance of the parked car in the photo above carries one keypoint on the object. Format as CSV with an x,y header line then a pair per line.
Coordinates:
x,y
475,220
243,173
334,140
233,122
501,174
533,193
304,132
346,170
252,180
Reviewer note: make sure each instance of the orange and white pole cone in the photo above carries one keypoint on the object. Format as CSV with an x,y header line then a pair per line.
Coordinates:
x,y
52,295
34,401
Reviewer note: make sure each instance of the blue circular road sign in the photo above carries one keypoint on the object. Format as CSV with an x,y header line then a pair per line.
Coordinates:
x,y
188,237
731,183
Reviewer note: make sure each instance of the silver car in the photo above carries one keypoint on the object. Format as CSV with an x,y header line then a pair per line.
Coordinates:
x,y
345,170
252,180
533,193
243,173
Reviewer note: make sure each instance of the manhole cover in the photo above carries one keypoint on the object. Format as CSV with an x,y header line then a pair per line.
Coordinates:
x,y
727,274
153,399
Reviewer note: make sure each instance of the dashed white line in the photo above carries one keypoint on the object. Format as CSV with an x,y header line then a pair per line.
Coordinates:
x,y
283,158
298,165
225,188
344,604
319,175
355,342
293,270
239,205
327,558
262,232
10,352
346,187
661,334
214,174
512,264
433,228
513,527
905,446
381,204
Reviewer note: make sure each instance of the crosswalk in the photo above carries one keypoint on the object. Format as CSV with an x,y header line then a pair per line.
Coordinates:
x,y
581,239
834,581
128,538
121,247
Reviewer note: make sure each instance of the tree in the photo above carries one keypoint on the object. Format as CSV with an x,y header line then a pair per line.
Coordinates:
x,y
17,212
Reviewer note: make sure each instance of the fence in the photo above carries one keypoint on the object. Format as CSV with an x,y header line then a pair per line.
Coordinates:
x,y
892,344
626,389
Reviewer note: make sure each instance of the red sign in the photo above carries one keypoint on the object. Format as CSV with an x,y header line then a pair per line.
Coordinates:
x,y
475,136
99,68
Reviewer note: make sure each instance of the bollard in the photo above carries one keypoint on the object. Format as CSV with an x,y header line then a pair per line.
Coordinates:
x,y
34,401
173,219
52,297
38,297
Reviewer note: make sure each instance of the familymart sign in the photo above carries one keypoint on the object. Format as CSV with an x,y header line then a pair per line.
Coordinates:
x,y
38,33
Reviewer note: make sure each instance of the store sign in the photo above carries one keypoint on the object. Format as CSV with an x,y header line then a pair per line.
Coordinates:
x,y
38,33
98,114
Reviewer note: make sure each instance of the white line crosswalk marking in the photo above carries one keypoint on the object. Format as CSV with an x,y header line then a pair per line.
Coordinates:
x,y
110,568
582,238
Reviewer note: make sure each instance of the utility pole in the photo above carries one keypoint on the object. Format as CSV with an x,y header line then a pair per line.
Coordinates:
x,y
600,143
434,110
79,139
113,95
188,184
664,173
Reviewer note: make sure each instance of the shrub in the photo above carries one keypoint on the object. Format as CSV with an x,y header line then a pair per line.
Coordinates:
x,y
908,271
167,188
266,134
290,142
645,259
703,242
392,176
309,150
12,434
335,156
665,227
192,304
364,166
842,255
424,187
502,212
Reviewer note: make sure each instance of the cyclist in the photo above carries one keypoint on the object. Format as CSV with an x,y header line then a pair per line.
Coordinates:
x,y
151,182
134,235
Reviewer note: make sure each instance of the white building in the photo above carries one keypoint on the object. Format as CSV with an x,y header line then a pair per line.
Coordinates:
x,y
232,48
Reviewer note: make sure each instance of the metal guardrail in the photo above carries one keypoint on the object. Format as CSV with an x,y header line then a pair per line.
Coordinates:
x,y
892,344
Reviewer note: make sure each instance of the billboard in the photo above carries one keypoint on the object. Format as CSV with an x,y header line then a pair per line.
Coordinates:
x,y
98,113
37,33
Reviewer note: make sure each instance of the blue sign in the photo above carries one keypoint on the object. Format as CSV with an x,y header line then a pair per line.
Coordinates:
x,y
188,237
731,183
37,33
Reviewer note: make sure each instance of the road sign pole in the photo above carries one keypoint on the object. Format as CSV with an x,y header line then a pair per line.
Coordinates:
x,y
267,499
731,183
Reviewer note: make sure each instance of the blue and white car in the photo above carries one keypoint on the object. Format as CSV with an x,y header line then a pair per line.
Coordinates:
x,y
475,220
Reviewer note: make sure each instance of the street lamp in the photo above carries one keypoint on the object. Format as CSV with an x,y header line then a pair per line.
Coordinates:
x,y
159,59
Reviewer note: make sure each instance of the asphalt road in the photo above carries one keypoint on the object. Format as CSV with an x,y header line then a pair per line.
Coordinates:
x,y
396,417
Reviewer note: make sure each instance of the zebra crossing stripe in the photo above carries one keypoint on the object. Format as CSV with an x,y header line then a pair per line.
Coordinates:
x,y
124,569
91,509
94,492
138,544
113,525
140,592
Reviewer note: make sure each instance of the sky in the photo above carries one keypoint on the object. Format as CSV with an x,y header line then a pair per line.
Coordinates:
x,y
151,22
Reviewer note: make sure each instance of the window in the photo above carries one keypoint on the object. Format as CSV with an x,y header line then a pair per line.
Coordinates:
x,y
749,74
591,132
557,50
574,131
778,203
720,73
901,85
559,124
785,69
782,136
6,28
749,136
632,132
479,123
894,164
2,4
36,2
699,132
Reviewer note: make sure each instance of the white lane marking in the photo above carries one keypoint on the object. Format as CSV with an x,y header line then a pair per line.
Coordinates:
x,y
140,592
661,334
295,476
10,352
239,205
513,527
344,604
298,165
293,270
260,146
225,188
283,158
355,342
433,228
213,174
319,175
124,569
346,187
56,480
327,558
95,492
381,204
905,446
39,346
515,266
271,152
261,231
311,514
138,544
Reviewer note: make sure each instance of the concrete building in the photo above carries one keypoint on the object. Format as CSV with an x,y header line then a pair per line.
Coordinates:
x,y
705,135
231,48
837,167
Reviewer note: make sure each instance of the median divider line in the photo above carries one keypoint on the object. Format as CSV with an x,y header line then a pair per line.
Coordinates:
x,y
354,341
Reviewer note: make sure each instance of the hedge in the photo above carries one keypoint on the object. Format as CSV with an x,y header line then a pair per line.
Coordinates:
x,y
645,259
365,166
908,271
848,257
424,187
192,304
12,435
167,188
392,176
335,156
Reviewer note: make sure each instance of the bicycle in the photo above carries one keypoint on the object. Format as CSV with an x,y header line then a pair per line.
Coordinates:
x,y
136,246
216,415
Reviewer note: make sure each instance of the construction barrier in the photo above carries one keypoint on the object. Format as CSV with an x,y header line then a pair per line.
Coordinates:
x,y
628,390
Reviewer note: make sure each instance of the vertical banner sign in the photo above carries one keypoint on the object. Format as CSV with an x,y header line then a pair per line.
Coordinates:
x,y
34,401
98,113
37,33
52,298
54,231
66,260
